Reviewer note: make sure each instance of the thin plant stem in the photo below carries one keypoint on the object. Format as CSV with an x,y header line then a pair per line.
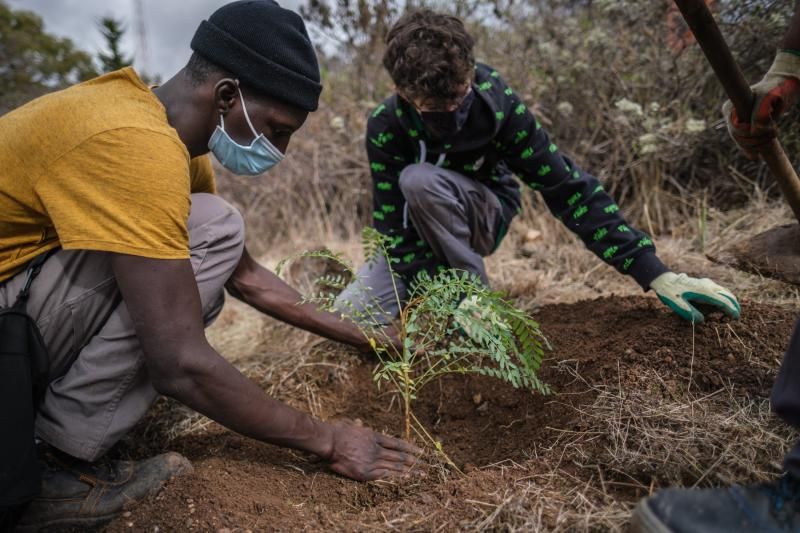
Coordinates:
x,y
422,432
407,404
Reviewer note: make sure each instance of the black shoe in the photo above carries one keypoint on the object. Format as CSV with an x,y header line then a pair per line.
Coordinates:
x,y
76,493
756,508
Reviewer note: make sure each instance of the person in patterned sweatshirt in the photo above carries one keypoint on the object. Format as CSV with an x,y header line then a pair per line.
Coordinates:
x,y
443,151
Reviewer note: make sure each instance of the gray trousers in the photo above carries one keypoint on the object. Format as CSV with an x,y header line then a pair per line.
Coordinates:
x,y
458,217
99,387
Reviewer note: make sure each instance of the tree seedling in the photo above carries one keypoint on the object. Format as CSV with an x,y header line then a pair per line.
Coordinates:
x,y
449,323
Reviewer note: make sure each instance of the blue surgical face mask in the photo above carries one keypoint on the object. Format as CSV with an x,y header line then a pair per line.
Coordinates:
x,y
251,160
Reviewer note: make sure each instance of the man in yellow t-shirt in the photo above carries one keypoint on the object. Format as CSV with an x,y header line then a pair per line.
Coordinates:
x,y
113,181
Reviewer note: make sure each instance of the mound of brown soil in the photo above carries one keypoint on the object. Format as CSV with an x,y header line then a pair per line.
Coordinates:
x,y
773,253
495,433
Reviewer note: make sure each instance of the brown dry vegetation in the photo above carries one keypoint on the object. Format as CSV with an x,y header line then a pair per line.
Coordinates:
x,y
600,77
644,401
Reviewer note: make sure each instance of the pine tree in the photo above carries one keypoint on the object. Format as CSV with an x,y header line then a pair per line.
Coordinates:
x,y
113,31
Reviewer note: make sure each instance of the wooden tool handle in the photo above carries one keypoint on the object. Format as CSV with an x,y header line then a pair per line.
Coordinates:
x,y
780,166
706,31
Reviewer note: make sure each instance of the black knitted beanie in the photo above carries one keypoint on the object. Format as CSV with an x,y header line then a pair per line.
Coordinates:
x,y
266,47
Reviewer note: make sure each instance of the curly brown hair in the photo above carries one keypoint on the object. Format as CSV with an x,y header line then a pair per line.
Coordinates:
x,y
429,56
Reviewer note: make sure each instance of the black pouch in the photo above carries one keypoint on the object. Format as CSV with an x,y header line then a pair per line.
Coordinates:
x,y
23,380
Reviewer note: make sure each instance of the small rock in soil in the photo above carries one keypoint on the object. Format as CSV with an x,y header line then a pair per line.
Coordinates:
x,y
532,235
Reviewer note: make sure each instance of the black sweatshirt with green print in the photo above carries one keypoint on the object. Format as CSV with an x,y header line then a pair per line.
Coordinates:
x,y
499,139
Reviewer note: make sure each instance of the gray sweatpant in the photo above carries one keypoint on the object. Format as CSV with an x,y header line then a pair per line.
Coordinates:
x,y
458,217
99,386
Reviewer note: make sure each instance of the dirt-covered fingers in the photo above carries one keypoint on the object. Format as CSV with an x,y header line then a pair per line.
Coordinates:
x,y
391,443
400,458
391,470
399,468
382,474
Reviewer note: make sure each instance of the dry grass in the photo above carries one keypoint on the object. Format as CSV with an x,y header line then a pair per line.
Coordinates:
x,y
562,270
653,436
556,501
634,440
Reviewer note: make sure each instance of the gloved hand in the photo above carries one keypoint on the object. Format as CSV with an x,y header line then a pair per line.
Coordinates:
x,y
774,95
678,290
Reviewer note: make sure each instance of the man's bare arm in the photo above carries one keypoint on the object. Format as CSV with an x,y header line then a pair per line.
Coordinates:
x,y
265,291
163,301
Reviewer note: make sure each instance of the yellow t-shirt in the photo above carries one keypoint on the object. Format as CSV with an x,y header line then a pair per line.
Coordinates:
x,y
95,167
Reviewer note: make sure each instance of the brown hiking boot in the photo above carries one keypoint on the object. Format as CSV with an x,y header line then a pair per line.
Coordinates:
x,y
76,493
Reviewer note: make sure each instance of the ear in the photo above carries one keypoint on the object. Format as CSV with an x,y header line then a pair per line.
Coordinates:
x,y
225,94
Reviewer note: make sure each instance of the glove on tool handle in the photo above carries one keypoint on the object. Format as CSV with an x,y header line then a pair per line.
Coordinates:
x,y
705,29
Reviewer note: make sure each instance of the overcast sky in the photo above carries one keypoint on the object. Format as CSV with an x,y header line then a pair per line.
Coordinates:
x,y
169,25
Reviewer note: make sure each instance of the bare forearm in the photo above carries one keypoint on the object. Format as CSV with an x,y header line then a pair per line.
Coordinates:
x,y
263,290
288,308
214,388
792,38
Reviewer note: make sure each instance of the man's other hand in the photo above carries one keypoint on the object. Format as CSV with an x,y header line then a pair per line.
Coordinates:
x,y
677,291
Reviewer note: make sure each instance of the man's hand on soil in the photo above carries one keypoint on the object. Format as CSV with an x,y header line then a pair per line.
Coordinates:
x,y
365,455
678,290
773,96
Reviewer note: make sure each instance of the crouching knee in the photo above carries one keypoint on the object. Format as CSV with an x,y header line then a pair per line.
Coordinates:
x,y
416,183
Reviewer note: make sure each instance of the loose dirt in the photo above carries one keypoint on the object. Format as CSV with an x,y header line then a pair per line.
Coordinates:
x,y
501,438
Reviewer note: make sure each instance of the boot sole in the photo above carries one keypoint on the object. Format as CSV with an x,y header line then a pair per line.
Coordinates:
x,y
644,520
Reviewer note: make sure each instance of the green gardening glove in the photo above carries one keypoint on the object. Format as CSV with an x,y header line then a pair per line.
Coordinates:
x,y
678,290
